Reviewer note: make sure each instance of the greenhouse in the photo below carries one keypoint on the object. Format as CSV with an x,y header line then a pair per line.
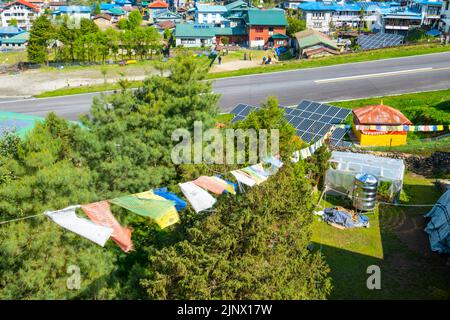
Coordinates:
x,y
345,165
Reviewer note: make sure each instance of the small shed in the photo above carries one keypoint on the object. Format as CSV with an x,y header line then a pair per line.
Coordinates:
x,y
311,43
379,115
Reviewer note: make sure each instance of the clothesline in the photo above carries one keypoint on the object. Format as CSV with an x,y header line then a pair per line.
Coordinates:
x,y
23,218
381,202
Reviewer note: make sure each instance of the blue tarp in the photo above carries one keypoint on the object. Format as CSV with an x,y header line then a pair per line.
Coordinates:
x,y
438,228
433,33
180,204
332,215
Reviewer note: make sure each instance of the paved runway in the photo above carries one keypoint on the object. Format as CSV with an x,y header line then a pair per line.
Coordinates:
x,y
346,81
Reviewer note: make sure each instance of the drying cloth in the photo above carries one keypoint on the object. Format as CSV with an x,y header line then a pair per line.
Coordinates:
x,y
197,197
254,175
150,205
210,184
343,218
68,219
180,204
243,177
228,186
100,214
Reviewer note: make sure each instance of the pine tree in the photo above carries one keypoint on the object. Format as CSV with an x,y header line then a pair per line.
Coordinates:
x,y
41,34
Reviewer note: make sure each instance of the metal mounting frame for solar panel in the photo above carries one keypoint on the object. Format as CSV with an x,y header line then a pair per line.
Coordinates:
x,y
312,120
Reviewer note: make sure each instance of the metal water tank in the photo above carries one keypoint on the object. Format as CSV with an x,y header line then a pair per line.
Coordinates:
x,y
365,192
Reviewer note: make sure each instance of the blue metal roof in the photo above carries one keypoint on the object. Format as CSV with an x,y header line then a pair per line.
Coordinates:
x,y
348,6
428,2
10,30
208,8
107,6
433,33
73,9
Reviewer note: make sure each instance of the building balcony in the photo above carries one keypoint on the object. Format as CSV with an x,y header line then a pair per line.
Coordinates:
x,y
392,27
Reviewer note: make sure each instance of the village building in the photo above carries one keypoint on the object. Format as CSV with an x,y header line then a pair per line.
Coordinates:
x,y
15,43
263,25
103,21
311,43
379,115
21,11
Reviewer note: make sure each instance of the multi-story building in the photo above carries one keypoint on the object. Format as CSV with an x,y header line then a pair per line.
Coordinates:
x,y
210,14
400,21
444,24
21,11
324,16
429,9
266,27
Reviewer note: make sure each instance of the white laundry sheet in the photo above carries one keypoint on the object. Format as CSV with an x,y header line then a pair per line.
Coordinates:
x,y
197,197
242,178
68,219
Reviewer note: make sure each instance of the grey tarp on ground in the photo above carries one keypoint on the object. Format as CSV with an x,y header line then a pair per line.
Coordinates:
x,y
438,228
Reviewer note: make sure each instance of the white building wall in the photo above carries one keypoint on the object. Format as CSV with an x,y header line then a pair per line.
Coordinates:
x,y
195,42
24,16
444,24
209,18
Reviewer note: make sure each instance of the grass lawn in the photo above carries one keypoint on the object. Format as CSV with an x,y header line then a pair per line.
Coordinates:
x,y
257,55
395,241
341,59
13,57
86,89
436,102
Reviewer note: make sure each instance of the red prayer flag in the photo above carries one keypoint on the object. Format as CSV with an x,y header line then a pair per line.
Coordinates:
x,y
100,213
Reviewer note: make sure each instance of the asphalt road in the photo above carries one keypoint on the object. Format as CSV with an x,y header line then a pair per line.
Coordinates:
x,y
340,82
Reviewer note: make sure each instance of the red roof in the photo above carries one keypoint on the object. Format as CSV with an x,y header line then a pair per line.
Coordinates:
x,y
158,4
167,24
379,114
23,2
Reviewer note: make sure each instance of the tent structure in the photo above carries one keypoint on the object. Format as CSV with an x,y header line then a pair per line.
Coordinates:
x,y
345,165
379,115
438,228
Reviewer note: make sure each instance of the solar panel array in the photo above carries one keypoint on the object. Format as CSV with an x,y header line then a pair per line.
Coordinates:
x,y
379,40
312,120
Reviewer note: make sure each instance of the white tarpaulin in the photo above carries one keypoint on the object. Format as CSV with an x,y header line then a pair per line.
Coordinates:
x,y
68,219
197,197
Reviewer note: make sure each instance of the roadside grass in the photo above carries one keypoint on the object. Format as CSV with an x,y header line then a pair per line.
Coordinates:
x,y
225,118
396,52
395,241
87,89
13,57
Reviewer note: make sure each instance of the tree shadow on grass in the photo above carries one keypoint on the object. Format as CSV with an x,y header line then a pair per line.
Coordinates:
x,y
409,270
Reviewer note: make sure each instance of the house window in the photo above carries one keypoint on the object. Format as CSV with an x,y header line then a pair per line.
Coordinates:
x,y
187,41
317,24
259,38
259,29
280,42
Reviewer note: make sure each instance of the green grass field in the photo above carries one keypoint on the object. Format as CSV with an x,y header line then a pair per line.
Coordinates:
x,y
395,241
438,104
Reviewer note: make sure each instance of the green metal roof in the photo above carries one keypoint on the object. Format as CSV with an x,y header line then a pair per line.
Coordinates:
x,y
279,36
230,31
116,11
187,30
236,4
268,17
17,39
313,40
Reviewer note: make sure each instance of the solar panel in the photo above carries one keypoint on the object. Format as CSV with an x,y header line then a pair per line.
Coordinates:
x,y
311,119
379,40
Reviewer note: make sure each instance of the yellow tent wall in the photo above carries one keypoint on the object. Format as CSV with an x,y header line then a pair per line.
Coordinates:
x,y
381,139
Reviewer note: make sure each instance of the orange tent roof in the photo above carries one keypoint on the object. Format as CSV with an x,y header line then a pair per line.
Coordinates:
x,y
379,114
158,4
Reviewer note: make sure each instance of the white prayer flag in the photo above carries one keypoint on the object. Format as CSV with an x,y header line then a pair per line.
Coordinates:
x,y
68,219
197,197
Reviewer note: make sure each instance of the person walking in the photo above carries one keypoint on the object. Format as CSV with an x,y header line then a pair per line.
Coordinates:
x,y
219,59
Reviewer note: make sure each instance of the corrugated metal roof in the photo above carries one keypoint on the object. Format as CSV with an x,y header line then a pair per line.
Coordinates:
x,y
266,17
379,114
